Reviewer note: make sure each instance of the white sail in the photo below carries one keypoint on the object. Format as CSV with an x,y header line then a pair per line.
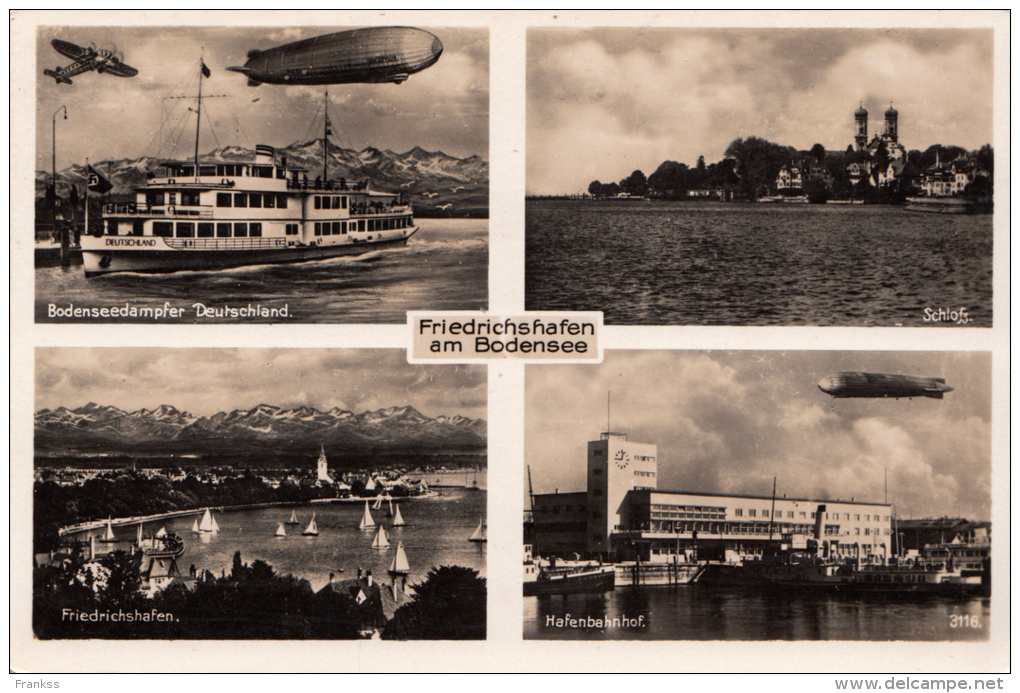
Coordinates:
x,y
480,531
280,531
398,520
293,518
139,541
400,564
161,532
312,529
366,520
381,541
108,533
378,503
215,527
206,525
195,528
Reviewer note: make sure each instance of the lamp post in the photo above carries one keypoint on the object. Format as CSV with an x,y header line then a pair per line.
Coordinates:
x,y
65,243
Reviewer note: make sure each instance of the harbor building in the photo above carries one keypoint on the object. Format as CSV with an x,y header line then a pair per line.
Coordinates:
x,y
624,516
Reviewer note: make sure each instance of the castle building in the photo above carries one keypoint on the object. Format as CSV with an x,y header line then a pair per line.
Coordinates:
x,y
623,515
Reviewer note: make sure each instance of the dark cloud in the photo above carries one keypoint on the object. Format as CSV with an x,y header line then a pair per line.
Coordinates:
x,y
730,421
649,95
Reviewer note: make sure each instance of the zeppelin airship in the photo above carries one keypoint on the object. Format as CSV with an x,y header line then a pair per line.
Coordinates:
x,y
374,54
854,384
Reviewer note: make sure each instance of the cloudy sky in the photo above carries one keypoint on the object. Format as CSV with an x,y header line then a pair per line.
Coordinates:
x,y
205,381
730,421
444,107
604,102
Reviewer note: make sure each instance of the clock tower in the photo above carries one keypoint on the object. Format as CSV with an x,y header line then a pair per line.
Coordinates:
x,y
615,466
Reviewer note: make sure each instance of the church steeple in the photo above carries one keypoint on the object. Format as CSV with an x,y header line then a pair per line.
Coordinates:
x,y
861,118
891,118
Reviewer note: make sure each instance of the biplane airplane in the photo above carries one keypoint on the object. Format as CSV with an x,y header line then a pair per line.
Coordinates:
x,y
85,59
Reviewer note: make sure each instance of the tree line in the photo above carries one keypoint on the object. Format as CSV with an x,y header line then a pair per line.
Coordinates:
x,y
251,602
751,165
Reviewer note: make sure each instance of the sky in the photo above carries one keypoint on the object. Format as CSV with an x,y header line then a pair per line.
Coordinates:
x,y
206,381
730,421
445,107
644,96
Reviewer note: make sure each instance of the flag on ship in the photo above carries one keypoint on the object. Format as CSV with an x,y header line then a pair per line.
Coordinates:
x,y
97,182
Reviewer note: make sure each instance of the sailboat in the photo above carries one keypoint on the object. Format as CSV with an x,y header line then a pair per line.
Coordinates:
x,y
389,510
378,503
480,532
208,524
312,530
400,566
366,520
108,534
398,520
381,541
195,528
293,518
280,531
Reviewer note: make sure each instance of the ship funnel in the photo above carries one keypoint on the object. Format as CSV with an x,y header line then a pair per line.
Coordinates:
x,y
264,154
819,516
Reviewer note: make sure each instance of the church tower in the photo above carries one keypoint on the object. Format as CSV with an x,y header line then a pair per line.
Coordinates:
x,y
891,118
861,117
322,468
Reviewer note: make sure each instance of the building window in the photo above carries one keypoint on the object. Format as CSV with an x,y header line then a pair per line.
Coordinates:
x,y
255,200
205,229
739,512
223,230
189,198
240,230
223,200
789,514
255,229
803,515
336,202
752,513
281,202
269,200
764,513
240,200
185,229
163,228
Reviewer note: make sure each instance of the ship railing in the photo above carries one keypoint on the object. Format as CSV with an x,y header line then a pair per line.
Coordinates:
x,y
363,210
328,186
131,208
225,243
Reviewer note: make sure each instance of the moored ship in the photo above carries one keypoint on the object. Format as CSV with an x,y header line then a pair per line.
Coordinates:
x,y
243,213
557,577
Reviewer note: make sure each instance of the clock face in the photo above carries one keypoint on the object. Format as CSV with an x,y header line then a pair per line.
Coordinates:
x,y
622,458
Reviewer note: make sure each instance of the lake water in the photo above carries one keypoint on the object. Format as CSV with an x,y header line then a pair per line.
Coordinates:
x,y
675,263
436,534
445,266
700,612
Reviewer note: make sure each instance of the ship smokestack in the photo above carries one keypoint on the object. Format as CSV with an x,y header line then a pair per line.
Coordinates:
x,y
264,154
819,515
368,577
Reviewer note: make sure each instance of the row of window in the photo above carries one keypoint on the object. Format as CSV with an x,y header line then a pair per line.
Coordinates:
x,y
253,200
184,198
207,229
330,202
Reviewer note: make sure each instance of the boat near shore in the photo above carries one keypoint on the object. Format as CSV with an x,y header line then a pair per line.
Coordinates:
x,y
942,205
565,577
209,215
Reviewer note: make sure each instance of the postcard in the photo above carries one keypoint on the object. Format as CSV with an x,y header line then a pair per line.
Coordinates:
x,y
699,320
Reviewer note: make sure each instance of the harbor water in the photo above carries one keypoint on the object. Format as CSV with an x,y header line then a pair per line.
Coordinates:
x,y
436,534
701,612
445,266
704,263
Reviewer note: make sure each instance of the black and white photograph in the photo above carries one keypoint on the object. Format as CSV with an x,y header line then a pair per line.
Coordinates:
x,y
183,174
759,495
761,176
227,494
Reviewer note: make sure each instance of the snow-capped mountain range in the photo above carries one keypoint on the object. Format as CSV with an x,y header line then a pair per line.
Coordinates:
x,y
93,426
428,179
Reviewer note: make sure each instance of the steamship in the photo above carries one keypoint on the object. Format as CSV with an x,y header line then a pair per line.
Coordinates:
x,y
205,216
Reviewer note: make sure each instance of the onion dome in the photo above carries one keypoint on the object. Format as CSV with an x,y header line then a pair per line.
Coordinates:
x,y
892,112
861,112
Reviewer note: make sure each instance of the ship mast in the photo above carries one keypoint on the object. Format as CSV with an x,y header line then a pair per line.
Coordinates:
x,y
198,118
325,137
